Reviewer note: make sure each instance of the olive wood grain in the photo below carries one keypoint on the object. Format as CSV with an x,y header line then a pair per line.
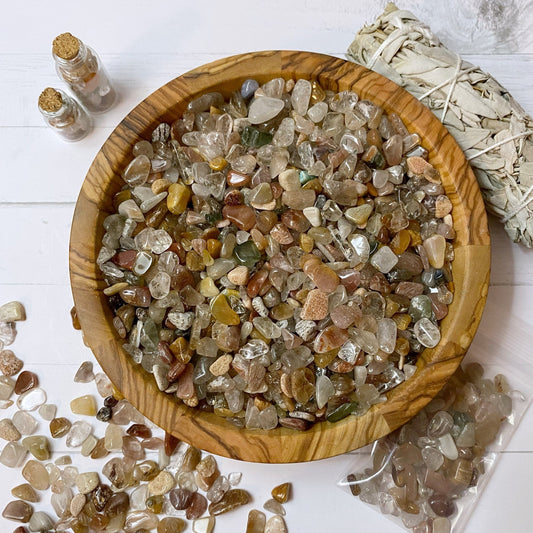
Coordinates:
x,y
208,431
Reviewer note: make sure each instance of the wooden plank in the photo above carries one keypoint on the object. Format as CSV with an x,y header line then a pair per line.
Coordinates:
x,y
43,168
37,247
192,26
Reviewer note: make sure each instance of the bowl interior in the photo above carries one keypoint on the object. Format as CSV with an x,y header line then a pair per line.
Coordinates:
x,y
208,431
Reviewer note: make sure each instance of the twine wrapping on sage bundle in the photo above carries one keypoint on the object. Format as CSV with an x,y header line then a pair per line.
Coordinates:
x,y
494,132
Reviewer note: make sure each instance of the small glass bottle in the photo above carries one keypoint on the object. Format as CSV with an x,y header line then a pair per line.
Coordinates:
x,y
64,115
80,67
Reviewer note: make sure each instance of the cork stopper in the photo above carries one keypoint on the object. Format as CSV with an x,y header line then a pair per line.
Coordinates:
x,y
50,100
66,46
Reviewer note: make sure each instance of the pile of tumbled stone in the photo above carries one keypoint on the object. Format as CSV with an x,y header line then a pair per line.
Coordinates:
x,y
281,256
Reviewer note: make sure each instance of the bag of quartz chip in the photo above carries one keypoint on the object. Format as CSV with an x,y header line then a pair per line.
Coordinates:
x,y
428,475
495,133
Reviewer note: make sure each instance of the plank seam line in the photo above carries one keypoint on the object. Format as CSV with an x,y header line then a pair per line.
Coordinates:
x,y
34,204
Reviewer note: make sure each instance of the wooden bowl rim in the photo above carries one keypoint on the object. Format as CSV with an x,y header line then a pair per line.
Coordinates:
x,y
208,431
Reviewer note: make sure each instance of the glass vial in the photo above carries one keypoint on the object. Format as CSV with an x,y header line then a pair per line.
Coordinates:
x,y
64,115
80,67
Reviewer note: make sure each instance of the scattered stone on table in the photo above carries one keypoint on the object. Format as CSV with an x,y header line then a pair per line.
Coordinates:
x,y
84,373
77,503
24,422
274,506
84,405
275,524
256,521
281,492
25,492
77,433
13,455
171,524
231,500
7,386
26,381
10,364
59,427
203,525
36,475
38,446
12,312
18,511
8,431
162,483
31,400
87,482
40,521
48,411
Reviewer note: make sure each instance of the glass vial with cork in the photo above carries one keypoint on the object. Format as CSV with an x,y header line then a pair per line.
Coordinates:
x,y
64,115
80,67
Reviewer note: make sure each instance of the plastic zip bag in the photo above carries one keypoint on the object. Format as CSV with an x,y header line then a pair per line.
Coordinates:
x,y
382,474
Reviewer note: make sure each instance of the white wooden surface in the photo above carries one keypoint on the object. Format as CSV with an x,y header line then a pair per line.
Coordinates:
x,y
143,45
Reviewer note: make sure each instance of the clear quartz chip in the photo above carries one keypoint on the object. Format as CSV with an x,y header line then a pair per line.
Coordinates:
x,y
31,400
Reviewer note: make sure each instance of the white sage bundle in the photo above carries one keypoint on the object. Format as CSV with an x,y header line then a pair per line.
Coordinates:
x,y
494,132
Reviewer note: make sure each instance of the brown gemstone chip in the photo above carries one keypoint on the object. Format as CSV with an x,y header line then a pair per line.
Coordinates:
x,y
26,381
171,443
256,522
231,500
18,511
294,423
139,430
175,371
75,320
281,492
77,503
417,165
99,450
197,506
180,499
321,275
344,316
281,233
242,216
236,179
100,496
191,459
59,427
355,488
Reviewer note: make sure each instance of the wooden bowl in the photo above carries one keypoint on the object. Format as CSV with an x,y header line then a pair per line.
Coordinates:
x,y
208,431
